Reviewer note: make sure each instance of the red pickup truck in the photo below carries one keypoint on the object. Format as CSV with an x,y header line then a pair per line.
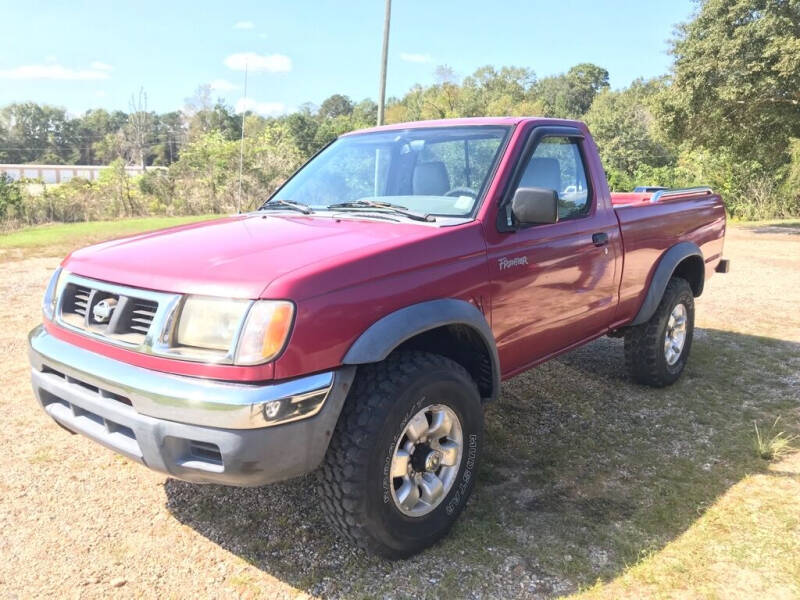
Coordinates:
x,y
358,321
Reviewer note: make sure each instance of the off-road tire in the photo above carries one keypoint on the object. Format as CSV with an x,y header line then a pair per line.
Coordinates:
x,y
354,481
644,344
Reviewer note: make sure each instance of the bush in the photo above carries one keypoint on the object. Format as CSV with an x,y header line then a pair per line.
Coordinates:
x,y
10,197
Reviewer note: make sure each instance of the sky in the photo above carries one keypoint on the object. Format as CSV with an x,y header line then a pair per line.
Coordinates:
x,y
83,54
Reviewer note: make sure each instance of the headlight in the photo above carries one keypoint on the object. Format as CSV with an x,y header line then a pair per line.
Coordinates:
x,y
210,323
265,331
52,293
226,328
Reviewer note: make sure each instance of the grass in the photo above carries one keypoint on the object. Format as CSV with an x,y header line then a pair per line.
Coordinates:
x,y
60,238
771,445
788,223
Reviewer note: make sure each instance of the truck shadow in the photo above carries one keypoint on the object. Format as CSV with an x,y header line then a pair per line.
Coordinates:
x,y
583,472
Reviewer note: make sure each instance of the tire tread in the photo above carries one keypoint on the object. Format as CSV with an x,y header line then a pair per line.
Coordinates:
x,y
644,343
342,478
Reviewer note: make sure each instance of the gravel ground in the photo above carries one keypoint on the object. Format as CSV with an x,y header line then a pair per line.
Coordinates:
x,y
583,473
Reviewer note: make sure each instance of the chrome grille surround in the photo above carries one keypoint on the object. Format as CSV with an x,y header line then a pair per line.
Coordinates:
x,y
146,322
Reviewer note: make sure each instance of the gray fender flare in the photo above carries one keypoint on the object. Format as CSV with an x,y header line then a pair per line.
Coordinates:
x,y
666,267
387,333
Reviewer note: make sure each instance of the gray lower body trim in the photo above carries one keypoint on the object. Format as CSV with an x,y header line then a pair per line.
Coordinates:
x,y
198,453
387,333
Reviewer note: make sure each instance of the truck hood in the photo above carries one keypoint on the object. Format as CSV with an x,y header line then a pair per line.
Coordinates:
x,y
237,256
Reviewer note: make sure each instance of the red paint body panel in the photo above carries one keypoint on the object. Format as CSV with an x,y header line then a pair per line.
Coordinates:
x,y
626,198
650,229
345,274
236,257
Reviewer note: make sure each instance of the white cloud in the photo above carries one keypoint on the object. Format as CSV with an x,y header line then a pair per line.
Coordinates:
x,y
415,58
272,63
266,109
244,25
53,71
223,85
101,66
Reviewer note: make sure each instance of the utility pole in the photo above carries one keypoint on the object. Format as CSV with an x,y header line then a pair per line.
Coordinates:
x,y
384,58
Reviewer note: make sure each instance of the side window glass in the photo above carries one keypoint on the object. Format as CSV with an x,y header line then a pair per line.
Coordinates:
x,y
556,164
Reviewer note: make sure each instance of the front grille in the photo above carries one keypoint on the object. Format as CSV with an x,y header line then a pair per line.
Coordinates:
x,y
133,318
124,317
80,300
141,316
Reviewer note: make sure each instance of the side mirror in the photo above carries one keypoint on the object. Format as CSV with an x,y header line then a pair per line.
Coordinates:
x,y
533,205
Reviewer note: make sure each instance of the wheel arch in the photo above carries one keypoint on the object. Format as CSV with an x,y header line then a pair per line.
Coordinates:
x,y
685,260
450,327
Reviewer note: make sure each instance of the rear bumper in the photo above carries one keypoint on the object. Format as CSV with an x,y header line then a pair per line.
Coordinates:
x,y
193,429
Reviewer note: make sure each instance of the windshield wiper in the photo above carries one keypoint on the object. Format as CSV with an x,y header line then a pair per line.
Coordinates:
x,y
395,208
298,206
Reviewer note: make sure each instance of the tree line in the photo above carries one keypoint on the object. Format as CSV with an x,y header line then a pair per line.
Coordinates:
x,y
727,114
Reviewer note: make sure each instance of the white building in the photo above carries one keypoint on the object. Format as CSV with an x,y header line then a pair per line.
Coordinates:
x,y
59,173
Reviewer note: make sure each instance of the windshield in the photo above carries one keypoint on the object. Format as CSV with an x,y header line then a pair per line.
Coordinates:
x,y
438,171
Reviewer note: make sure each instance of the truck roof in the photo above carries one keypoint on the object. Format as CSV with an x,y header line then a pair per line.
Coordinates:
x,y
465,121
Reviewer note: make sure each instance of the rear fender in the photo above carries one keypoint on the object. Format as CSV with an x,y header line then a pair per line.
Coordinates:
x,y
664,271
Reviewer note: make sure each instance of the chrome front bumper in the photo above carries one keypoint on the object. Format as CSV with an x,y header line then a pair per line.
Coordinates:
x,y
195,429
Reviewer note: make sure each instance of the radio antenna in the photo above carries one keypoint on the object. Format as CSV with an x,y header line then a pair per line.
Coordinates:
x,y
241,146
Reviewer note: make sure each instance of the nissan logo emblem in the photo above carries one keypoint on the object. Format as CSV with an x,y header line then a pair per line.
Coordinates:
x,y
103,309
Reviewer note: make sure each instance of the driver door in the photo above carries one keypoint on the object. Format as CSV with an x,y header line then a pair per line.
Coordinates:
x,y
554,284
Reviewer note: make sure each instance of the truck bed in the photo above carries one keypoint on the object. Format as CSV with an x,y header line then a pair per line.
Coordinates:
x,y
651,222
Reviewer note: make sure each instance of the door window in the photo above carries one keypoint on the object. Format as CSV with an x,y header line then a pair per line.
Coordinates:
x,y
556,164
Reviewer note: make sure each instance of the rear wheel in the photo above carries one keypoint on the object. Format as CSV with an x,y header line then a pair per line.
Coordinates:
x,y
656,351
401,463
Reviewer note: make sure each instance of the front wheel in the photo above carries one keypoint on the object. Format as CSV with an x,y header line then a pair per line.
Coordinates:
x,y
402,461
656,351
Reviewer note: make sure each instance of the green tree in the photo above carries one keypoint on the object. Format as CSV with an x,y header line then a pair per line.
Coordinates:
x,y
90,129
35,131
736,79
4,143
366,112
169,134
302,128
202,116
571,94
335,106
207,171
627,133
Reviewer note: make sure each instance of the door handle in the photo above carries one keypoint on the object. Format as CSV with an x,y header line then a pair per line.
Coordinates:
x,y
600,239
